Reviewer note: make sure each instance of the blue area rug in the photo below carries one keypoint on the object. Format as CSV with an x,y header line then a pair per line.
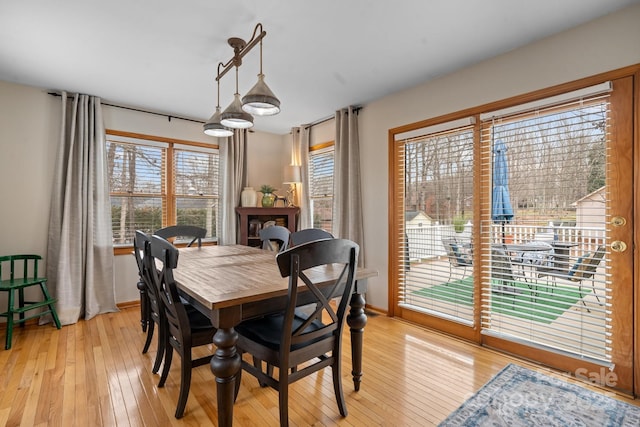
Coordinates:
x,y
517,396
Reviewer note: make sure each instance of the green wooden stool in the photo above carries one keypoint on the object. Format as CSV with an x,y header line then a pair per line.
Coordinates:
x,y
18,282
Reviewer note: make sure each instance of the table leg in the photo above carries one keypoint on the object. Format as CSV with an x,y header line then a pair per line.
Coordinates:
x,y
357,320
225,365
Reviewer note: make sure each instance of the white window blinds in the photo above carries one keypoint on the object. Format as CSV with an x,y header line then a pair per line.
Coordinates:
x,y
321,170
545,280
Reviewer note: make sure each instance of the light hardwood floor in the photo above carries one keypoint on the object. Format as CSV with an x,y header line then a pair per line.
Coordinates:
x,y
93,374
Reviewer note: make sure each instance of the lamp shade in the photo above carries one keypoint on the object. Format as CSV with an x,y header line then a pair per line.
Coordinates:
x,y
292,174
233,117
213,127
260,100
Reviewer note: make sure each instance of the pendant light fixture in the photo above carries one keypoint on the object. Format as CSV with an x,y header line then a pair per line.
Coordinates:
x,y
213,127
234,116
260,100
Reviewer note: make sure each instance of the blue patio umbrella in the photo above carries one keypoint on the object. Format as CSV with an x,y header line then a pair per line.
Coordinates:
x,y
501,210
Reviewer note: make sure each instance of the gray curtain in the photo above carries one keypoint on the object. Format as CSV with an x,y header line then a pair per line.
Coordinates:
x,y
80,243
303,135
347,203
233,177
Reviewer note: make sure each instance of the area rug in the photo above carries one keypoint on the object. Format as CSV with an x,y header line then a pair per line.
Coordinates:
x,y
517,396
525,301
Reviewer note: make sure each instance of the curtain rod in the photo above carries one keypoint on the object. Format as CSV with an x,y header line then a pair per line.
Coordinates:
x,y
326,119
168,116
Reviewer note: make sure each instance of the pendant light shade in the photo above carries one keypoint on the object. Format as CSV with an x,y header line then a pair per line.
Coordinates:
x,y
234,117
213,127
260,100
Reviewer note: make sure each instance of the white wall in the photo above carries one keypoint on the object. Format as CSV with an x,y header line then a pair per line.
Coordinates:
x,y
605,44
29,131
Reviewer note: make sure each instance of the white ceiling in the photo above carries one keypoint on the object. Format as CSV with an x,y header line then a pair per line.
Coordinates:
x,y
319,56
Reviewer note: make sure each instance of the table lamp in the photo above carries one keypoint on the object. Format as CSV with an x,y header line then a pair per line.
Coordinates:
x,y
292,177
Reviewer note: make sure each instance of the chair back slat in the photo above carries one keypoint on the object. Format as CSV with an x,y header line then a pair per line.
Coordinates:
x,y
309,235
192,232
165,255
586,265
141,244
298,263
276,233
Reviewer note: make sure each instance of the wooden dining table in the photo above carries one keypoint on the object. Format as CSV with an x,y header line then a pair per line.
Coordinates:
x,y
232,283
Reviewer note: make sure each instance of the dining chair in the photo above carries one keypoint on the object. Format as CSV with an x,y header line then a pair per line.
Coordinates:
x,y
308,235
192,232
275,234
186,327
22,274
456,257
150,305
287,341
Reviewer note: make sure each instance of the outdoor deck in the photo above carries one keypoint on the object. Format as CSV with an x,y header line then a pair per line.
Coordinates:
x,y
582,321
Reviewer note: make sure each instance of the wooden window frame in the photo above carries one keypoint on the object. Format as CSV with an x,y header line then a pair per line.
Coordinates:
x,y
168,196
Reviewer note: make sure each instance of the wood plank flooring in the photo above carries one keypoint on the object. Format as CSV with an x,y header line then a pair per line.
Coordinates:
x,y
94,374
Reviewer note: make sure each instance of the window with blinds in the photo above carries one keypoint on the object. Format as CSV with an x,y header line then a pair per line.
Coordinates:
x,y
437,168
149,192
321,169
545,280
136,180
196,187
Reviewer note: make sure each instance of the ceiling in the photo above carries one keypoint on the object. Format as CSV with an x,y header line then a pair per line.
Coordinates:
x,y
162,55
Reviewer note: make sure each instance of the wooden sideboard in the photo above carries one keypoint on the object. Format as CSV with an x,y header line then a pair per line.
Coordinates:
x,y
252,220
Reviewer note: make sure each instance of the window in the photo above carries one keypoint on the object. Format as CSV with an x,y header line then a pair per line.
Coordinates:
x,y
155,182
321,161
437,170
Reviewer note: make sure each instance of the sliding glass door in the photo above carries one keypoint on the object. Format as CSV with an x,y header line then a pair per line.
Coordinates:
x,y
514,227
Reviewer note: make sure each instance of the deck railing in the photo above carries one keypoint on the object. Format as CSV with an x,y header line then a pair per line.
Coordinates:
x,y
426,242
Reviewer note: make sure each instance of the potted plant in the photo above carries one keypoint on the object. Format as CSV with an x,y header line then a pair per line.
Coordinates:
x,y
268,198
458,223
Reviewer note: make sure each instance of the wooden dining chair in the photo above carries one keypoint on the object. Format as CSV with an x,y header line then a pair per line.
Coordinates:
x,y
186,327
276,234
308,235
150,304
188,232
22,274
287,341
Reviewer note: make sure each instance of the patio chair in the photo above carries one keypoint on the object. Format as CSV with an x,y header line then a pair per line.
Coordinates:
x,y
583,269
457,258
502,271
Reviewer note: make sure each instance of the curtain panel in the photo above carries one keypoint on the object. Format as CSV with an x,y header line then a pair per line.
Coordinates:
x,y
233,177
303,135
80,242
347,204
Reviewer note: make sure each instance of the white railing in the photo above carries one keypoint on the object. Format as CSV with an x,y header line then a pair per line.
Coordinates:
x,y
426,242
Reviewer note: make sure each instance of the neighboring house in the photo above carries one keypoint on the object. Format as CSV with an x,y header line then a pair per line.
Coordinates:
x,y
415,219
590,210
